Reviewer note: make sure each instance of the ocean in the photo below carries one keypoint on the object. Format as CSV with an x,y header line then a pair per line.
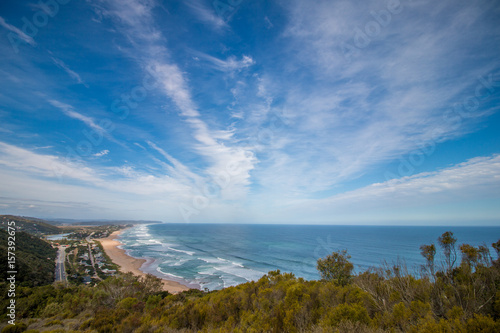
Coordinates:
x,y
215,256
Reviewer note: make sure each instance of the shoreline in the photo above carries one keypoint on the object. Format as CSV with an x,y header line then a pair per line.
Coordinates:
x,y
131,264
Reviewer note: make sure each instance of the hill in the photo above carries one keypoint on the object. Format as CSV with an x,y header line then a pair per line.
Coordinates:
x,y
35,259
30,225
98,222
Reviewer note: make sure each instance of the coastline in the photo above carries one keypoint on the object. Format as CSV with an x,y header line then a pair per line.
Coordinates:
x,y
133,265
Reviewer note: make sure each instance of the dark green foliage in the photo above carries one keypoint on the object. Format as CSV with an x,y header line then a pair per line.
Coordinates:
x,y
429,252
18,328
336,267
30,225
34,259
496,246
447,243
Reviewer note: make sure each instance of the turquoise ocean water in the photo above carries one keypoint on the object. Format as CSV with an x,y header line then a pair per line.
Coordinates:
x,y
215,256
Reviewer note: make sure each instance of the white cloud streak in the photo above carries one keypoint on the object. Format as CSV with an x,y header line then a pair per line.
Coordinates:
x,y
121,180
231,64
69,71
70,112
44,165
476,178
205,14
177,169
138,23
101,153
387,99
17,31
464,185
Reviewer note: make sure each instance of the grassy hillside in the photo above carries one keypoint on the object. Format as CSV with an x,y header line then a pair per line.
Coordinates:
x,y
30,225
458,296
35,259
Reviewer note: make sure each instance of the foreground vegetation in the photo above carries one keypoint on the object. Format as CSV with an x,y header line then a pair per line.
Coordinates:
x,y
460,295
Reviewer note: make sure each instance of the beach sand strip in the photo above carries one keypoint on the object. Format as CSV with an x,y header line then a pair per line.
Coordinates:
x,y
133,265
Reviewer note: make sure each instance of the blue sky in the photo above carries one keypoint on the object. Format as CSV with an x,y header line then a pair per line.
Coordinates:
x,y
341,112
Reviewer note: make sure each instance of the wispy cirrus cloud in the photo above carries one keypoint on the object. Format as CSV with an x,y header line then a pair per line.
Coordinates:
x,y
245,118
379,102
18,32
479,175
70,112
68,70
206,14
221,156
231,64
133,198
477,179
132,16
103,127
45,166
172,81
176,168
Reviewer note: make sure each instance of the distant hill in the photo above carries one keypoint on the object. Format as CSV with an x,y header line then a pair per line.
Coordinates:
x,y
37,226
30,225
35,259
98,222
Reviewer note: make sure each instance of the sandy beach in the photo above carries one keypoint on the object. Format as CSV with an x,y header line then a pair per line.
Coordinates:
x,y
129,264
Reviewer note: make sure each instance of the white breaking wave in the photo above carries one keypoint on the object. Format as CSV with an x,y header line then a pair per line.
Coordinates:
x,y
209,260
244,273
177,250
168,274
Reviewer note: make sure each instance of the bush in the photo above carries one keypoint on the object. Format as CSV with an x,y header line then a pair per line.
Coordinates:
x,y
336,267
17,328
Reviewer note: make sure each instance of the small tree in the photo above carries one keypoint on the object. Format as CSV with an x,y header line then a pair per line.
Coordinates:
x,y
496,246
152,285
470,255
484,255
447,243
336,267
429,252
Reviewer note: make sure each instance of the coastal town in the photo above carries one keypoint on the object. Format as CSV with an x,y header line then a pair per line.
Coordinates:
x,y
80,253
81,257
